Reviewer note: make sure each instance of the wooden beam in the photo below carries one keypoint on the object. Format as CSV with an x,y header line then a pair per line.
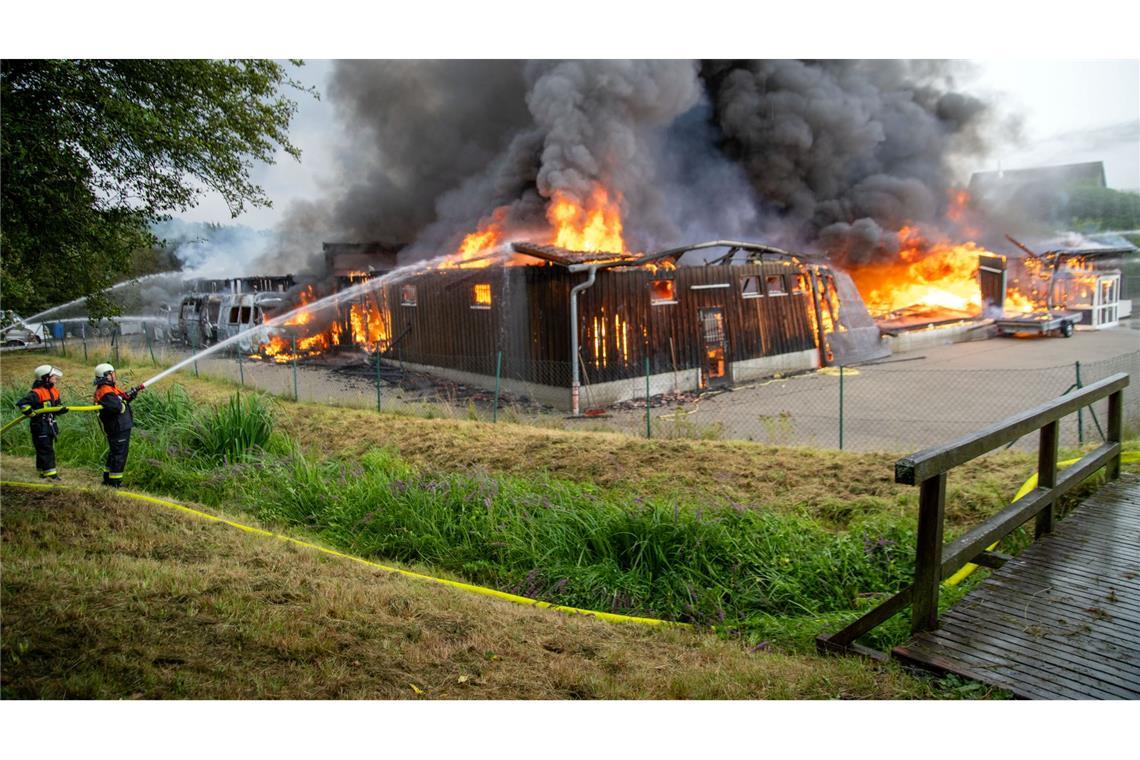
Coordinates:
x,y
1115,430
843,638
1047,475
928,553
925,464
967,547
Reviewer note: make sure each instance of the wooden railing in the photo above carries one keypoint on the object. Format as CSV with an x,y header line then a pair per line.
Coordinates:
x,y
935,561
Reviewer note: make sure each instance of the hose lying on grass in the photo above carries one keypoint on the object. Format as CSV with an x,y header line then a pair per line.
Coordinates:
x,y
46,410
607,616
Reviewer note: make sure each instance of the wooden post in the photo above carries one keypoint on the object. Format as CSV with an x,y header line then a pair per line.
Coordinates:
x,y
1115,430
928,553
84,334
1047,474
1080,412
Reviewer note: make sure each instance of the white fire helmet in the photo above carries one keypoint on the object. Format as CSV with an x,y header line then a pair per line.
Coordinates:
x,y
101,370
41,372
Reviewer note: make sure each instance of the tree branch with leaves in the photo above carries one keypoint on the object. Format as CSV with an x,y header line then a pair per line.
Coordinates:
x,y
95,151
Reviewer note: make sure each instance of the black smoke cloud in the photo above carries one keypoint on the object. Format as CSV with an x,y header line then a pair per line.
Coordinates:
x,y
844,152
830,156
419,129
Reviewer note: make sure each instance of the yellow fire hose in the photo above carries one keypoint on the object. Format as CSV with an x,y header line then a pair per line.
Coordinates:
x,y
607,616
1127,457
46,410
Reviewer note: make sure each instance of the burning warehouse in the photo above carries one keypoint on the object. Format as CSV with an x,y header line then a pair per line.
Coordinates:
x,y
594,163
560,320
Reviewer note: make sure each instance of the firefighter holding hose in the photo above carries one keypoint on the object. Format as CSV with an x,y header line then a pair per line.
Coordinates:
x,y
116,418
43,426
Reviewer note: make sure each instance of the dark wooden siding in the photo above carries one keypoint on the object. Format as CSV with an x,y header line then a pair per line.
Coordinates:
x,y
670,333
619,326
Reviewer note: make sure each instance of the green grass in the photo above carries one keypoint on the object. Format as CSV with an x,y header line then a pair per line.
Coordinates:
x,y
540,536
108,598
777,572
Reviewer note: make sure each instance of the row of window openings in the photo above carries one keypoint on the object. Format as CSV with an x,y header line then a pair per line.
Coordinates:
x,y
480,295
665,291
662,291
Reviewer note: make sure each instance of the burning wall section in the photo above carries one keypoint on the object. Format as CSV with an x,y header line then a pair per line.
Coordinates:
x,y
696,325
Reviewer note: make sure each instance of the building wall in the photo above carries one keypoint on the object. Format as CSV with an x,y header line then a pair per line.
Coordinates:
x,y
619,323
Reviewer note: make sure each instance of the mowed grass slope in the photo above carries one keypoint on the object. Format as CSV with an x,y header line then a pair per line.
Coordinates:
x,y
838,489
108,598
771,544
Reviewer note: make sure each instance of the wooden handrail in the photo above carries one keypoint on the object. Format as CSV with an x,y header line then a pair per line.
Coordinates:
x,y
934,562
916,468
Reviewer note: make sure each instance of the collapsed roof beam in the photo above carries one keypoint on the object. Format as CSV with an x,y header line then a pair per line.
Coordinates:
x,y
759,248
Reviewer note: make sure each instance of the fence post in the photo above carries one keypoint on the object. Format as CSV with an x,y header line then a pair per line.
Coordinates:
x,y
241,366
84,336
648,424
149,343
115,343
841,407
928,554
1080,412
296,394
377,377
498,377
63,341
194,348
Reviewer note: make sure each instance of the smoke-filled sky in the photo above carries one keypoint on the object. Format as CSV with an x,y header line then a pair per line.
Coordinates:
x,y
1070,111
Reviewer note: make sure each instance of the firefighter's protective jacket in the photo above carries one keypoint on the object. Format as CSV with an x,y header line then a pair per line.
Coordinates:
x,y
38,397
115,416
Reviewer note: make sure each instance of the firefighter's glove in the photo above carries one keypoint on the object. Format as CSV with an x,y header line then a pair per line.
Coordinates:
x,y
63,410
133,393
27,411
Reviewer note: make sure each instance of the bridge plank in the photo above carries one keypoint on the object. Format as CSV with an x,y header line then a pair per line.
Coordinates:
x,y
1059,621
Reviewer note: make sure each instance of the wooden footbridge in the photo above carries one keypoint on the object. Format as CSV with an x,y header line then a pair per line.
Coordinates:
x,y
1062,619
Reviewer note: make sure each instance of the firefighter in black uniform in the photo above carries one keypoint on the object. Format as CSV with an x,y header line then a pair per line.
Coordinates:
x,y
117,421
44,428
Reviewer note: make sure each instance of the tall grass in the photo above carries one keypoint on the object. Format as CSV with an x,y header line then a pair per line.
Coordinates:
x,y
232,432
566,542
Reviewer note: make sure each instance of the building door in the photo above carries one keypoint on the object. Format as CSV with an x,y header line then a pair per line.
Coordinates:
x,y
716,363
1106,302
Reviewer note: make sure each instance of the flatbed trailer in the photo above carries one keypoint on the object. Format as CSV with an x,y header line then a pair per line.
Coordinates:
x,y
1041,322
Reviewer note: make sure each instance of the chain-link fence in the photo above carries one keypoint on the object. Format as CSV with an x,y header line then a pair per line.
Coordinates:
x,y
890,406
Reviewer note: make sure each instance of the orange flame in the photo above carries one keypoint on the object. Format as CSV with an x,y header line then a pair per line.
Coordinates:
x,y
933,277
595,226
369,327
474,248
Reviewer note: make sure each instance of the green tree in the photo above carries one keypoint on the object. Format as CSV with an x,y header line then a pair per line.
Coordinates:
x,y
1094,209
95,151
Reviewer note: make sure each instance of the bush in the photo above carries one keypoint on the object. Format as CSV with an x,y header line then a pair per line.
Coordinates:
x,y
232,432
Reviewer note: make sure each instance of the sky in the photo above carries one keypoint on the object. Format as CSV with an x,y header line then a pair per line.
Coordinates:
x,y
1073,111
